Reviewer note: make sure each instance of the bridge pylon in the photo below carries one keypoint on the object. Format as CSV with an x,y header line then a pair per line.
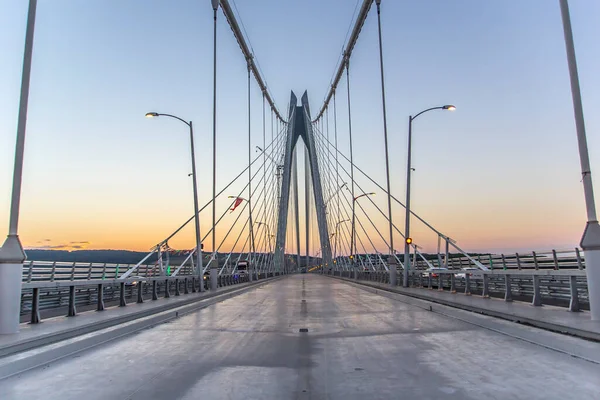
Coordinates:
x,y
299,125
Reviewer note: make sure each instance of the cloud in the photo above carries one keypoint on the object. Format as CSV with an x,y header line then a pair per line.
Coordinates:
x,y
84,242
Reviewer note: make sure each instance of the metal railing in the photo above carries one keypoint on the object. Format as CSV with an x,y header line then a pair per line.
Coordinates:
x,y
565,288
50,271
53,285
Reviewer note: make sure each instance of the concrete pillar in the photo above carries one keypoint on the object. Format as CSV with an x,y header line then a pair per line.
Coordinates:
x,y
214,277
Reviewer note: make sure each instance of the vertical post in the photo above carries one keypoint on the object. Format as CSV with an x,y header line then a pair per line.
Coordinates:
x,y
251,226
486,286
574,303
12,255
537,296
214,277
392,263
296,206
337,174
196,211
590,242
407,220
508,289
35,306
100,298
265,258
353,236
140,292
307,203
72,308
215,5
122,302
579,262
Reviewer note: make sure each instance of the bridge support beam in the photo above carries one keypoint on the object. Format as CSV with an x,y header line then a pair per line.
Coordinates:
x,y
11,272
299,125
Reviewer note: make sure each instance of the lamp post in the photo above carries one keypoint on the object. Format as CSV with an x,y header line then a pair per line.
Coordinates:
x,y
590,242
408,240
268,233
353,243
251,247
12,254
197,216
336,237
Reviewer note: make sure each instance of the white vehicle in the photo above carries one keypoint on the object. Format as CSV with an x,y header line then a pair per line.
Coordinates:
x,y
469,271
434,272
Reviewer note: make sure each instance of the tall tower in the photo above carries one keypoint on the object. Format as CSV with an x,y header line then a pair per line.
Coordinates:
x,y
300,126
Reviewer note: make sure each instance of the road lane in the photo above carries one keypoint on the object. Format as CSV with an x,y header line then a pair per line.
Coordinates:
x,y
359,345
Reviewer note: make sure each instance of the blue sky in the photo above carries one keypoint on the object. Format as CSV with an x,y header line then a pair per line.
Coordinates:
x,y
500,173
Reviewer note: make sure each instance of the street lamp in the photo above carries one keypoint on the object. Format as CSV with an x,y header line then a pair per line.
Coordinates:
x,y
448,107
12,254
252,250
268,233
197,216
353,242
336,236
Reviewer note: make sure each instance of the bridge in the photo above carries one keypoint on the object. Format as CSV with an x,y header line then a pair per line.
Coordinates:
x,y
264,305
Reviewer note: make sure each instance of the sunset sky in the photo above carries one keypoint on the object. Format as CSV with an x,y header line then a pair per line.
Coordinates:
x,y
501,173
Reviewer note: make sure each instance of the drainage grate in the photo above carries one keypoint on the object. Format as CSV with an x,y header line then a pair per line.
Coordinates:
x,y
303,329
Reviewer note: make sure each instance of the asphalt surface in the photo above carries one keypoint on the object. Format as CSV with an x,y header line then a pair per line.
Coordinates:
x,y
358,345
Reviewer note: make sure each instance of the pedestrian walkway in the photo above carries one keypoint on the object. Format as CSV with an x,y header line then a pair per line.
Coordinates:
x,y
60,328
557,319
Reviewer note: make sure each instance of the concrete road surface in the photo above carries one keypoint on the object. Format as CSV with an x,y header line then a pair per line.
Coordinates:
x,y
359,345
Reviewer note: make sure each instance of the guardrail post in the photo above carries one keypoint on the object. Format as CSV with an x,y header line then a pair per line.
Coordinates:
x,y
535,261
185,286
167,291
518,261
452,283
574,303
35,306
420,280
214,275
140,292
193,284
154,290
122,302
73,271
503,262
100,305
440,283
429,281
486,286
579,262
72,308
467,284
53,271
104,271
537,295
555,259
90,271
507,289
30,273
177,291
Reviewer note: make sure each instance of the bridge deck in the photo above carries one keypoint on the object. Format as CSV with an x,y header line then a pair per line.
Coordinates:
x,y
359,345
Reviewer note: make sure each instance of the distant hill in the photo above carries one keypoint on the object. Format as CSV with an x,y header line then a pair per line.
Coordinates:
x,y
99,256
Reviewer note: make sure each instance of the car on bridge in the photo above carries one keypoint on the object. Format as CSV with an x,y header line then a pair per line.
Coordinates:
x,y
242,269
434,272
467,271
